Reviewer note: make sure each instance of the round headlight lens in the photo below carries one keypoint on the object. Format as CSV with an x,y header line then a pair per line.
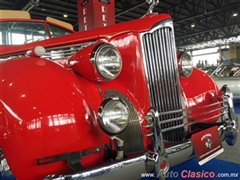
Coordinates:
x,y
108,61
113,116
186,64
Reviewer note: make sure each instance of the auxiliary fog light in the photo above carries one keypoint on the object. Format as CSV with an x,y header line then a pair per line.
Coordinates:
x,y
113,116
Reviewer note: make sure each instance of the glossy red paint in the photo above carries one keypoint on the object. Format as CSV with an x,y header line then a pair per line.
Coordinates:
x,y
131,81
85,36
200,94
34,81
80,63
34,129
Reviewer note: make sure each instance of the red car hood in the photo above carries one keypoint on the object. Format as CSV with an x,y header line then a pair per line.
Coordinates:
x,y
139,25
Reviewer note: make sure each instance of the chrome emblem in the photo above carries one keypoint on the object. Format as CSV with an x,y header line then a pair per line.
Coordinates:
x,y
152,3
208,143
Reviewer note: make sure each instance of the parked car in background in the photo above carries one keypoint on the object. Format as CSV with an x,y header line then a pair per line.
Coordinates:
x,y
231,78
17,27
233,82
119,98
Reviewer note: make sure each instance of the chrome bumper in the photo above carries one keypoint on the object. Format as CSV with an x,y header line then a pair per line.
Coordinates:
x,y
135,166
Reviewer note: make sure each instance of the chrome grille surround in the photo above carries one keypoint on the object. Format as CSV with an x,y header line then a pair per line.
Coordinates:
x,y
160,63
132,136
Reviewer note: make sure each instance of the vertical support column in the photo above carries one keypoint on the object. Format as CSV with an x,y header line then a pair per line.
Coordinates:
x,y
219,55
95,13
232,51
238,51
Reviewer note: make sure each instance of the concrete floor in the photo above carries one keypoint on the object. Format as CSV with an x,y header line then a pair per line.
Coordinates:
x,y
231,153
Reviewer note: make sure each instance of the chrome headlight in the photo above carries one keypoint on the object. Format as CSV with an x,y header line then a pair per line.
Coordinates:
x,y
186,64
113,116
107,61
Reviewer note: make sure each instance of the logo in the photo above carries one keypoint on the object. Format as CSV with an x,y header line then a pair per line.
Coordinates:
x,y
208,143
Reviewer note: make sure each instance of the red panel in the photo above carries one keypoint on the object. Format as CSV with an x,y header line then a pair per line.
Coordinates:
x,y
47,110
200,90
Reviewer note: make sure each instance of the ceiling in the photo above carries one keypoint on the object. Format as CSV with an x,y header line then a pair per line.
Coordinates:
x,y
213,19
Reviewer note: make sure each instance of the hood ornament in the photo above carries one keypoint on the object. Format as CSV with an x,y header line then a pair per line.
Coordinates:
x,y
152,3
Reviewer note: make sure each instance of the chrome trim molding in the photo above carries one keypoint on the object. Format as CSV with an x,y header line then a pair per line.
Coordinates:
x,y
96,171
223,111
118,165
64,52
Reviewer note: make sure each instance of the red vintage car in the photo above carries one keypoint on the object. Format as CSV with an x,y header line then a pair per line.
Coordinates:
x,y
119,98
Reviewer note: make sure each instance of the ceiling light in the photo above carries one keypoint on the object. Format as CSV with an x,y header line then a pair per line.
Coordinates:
x,y
235,14
192,25
65,15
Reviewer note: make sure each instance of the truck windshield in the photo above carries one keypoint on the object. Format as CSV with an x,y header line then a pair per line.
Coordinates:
x,y
19,32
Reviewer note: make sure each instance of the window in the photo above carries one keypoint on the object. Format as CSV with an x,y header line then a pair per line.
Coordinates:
x,y
205,57
16,33
57,31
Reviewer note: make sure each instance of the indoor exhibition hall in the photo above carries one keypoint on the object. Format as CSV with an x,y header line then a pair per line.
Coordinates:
x,y
119,89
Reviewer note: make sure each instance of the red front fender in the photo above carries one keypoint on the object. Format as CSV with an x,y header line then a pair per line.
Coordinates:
x,y
46,111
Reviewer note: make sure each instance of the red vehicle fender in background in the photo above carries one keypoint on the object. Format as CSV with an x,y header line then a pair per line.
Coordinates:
x,y
201,95
40,96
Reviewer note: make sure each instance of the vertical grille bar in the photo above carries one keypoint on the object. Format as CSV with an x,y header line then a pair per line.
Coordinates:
x,y
162,76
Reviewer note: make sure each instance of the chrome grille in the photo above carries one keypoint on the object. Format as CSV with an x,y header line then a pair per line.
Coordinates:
x,y
159,52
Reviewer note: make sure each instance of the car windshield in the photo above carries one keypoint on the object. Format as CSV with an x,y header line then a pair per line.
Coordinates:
x,y
57,31
19,32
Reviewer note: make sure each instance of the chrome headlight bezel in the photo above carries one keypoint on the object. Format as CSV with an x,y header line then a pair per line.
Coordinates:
x,y
186,64
228,94
115,110
107,61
